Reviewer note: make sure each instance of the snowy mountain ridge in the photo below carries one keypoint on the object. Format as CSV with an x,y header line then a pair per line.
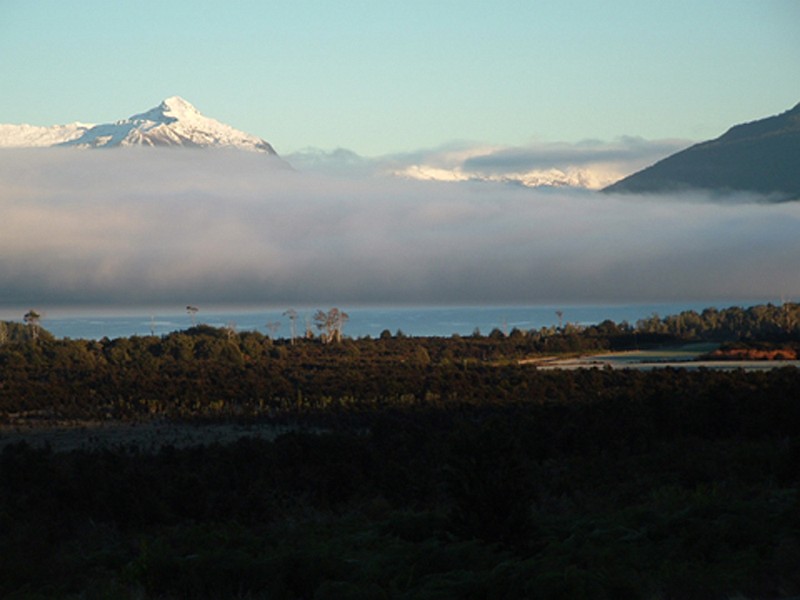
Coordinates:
x,y
174,122
553,177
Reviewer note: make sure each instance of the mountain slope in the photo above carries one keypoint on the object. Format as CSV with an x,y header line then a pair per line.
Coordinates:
x,y
762,156
174,122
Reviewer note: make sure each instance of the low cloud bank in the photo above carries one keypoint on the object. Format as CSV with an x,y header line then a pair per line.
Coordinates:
x,y
154,227
588,164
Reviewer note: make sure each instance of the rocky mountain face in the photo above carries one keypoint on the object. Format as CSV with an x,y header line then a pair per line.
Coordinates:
x,y
762,157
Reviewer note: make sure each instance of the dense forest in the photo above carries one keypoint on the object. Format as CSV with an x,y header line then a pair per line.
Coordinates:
x,y
409,467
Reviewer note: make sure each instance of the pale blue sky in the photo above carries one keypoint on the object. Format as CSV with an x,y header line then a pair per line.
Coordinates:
x,y
390,76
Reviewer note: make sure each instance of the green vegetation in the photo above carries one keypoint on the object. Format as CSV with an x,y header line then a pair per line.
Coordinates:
x,y
440,467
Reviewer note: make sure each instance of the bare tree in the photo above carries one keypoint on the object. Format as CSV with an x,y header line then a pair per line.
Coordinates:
x,y
292,314
309,331
32,319
330,324
322,323
272,328
341,318
192,311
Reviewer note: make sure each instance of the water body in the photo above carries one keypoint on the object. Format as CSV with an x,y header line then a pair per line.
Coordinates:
x,y
364,321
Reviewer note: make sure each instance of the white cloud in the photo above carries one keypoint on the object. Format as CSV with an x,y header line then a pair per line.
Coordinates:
x,y
165,226
589,164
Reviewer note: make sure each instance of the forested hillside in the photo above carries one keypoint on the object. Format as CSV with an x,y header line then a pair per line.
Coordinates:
x,y
761,157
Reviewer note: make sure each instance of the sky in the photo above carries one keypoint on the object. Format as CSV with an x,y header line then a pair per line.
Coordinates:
x,y
390,76
389,112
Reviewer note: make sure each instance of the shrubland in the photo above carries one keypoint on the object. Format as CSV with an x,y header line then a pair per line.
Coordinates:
x,y
418,468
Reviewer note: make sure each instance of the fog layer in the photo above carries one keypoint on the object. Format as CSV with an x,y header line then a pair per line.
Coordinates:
x,y
590,163
141,227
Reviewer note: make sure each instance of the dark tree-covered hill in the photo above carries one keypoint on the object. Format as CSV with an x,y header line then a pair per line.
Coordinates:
x,y
762,156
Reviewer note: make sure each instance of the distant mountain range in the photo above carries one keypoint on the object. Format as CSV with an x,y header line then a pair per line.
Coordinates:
x,y
174,122
762,156
534,178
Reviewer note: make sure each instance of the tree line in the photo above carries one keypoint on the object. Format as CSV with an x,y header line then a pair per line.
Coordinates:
x,y
207,372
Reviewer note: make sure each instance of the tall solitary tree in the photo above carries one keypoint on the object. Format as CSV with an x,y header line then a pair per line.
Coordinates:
x,y
272,328
32,319
292,314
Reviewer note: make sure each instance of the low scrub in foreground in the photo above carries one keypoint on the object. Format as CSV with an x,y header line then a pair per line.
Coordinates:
x,y
400,468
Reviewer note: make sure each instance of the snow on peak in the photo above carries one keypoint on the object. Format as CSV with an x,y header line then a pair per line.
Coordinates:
x,y
170,110
568,176
177,105
174,122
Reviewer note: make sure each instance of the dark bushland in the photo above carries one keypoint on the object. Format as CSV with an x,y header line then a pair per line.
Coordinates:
x,y
424,468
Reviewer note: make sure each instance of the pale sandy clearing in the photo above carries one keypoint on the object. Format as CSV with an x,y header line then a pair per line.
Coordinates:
x,y
683,357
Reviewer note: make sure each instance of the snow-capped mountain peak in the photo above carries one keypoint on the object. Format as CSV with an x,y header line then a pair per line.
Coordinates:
x,y
178,106
174,122
169,111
